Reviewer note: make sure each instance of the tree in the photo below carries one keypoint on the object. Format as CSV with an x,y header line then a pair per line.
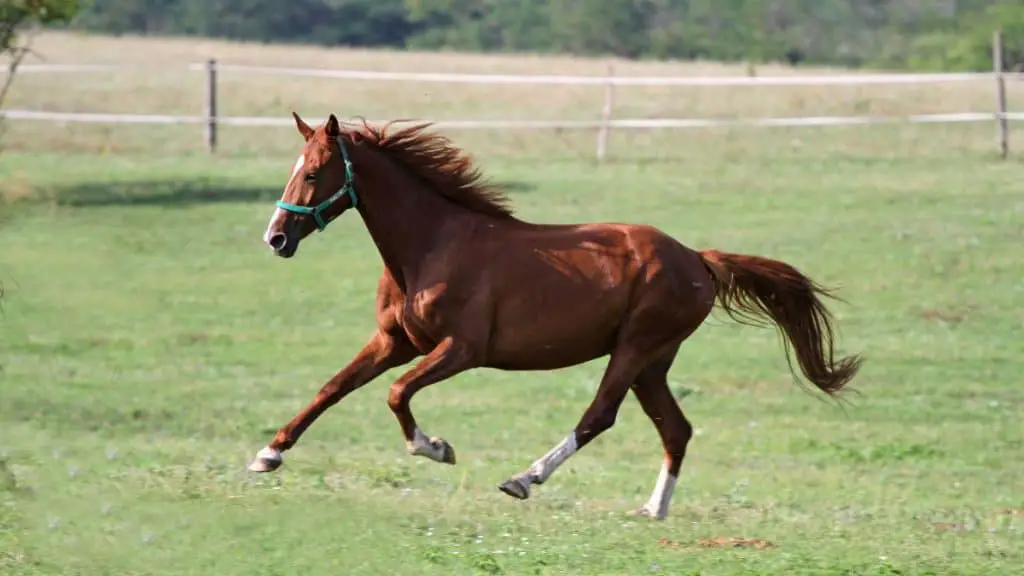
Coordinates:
x,y
968,44
14,16
934,34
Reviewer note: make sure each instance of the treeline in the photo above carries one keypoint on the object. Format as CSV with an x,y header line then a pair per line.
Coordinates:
x,y
917,34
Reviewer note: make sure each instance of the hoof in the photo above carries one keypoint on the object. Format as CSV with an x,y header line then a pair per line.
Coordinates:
x,y
518,488
644,512
447,452
267,460
437,449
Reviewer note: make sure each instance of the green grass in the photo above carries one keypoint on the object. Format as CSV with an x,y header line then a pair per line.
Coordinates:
x,y
150,344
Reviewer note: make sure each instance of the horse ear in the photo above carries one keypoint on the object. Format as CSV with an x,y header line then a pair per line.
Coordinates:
x,y
332,128
304,128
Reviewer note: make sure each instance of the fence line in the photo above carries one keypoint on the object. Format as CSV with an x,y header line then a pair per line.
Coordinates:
x,y
639,123
458,78
463,78
211,120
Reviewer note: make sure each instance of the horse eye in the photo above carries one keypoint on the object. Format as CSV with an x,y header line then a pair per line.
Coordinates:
x,y
310,178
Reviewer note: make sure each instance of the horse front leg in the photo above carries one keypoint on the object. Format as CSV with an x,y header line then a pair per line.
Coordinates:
x,y
383,352
446,360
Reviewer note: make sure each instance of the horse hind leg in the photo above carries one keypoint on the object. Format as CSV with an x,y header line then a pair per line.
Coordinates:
x,y
655,397
650,335
599,416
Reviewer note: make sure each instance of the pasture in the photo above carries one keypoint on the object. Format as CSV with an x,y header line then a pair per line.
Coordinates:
x,y
150,343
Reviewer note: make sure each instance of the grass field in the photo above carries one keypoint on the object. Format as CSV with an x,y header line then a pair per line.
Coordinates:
x,y
150,344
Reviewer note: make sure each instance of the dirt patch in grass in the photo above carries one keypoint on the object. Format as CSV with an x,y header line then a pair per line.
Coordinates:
x,y
718,542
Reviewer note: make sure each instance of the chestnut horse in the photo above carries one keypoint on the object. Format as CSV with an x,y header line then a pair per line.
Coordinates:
x,y
466,285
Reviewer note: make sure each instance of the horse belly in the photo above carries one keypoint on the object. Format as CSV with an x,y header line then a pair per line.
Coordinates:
x,y
554,337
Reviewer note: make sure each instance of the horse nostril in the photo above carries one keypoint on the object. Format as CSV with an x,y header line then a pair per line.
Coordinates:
x,y
277,241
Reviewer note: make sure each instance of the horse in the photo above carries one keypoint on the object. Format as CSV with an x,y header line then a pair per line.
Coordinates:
x,y
466,284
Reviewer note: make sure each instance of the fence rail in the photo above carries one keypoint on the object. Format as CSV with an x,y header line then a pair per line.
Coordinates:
x,y
534,79
625,123
211,120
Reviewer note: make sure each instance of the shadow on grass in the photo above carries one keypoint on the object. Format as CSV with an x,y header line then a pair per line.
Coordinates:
x,y
160,193
179,193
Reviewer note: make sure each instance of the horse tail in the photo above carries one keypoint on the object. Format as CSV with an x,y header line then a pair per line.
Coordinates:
x,y
753,289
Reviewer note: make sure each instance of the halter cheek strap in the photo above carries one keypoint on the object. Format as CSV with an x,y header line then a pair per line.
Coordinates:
x,y
347,189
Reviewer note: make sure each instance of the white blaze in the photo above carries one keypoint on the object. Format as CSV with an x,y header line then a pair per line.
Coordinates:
x,y
299,162
278,213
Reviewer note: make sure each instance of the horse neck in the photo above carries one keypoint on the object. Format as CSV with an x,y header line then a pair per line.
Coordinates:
x,y
404,218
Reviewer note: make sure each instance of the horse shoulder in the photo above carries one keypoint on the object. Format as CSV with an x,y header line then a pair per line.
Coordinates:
x,y
390,302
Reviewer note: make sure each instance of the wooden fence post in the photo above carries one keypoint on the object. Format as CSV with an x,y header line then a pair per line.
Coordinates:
x,y
1003,127
210,108
606,115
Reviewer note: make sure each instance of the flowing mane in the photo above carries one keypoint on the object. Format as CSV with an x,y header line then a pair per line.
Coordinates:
x,y
442,165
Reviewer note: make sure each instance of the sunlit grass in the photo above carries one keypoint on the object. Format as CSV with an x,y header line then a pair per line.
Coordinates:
x,y
149,344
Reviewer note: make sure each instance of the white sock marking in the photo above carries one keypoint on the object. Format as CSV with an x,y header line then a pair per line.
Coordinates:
x,y
547,464
658,503
420,446
268,453
419,441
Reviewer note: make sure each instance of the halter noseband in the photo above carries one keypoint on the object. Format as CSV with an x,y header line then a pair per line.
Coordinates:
x,y
347,188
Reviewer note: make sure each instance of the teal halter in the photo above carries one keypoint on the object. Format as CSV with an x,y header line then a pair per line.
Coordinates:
x,y
349,188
